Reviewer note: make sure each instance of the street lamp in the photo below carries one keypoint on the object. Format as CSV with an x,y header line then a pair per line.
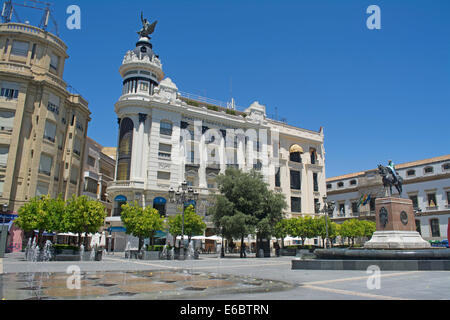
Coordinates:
x,y
183,194
328,208
4,211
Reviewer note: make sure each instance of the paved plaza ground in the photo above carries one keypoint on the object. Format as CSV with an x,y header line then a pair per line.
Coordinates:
x,y
274,277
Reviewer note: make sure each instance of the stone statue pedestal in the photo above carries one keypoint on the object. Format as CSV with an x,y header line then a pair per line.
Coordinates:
x,y
396,226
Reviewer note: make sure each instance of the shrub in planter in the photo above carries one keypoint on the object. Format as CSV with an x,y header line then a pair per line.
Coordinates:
x,y
155,248
65,249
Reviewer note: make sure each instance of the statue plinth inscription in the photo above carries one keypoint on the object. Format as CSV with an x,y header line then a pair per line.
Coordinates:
x,y
396,226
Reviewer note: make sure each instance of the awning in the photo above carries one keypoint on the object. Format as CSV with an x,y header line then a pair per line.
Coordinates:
x,y
296,148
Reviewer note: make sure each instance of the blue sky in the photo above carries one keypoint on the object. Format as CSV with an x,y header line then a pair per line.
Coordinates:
x,y
379,94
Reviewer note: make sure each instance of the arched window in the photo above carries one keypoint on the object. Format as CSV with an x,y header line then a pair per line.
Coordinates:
x,y
411,173
125,149
446,167
295,153
428,170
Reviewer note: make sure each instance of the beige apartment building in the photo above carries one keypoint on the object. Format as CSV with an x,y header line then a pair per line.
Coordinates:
x,y
42,125
99,169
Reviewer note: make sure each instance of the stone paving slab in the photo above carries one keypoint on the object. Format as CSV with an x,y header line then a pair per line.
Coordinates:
x,y
305,284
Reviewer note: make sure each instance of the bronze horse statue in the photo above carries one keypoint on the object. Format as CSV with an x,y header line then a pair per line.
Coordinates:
x,y
389,180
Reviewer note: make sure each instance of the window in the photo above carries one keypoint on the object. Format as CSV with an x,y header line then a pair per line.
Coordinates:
x,y
165,128
33,51
277,178
316,182
295,180
41,189
415,202
53,104
57,169
418,227
313,156
7,120
144,86
212,184
434,224
10,90
354,207
91,161
431,200
258,165
20,48
296,204
329,186
2,183
316,206
125,149
74,175
165,151
163,175
4,152
342,209
446,167
428,170
90,185
60,140
411,173
340,184
54,62
50,131
77,146
353,182
372,204
45,165
448,197
295,153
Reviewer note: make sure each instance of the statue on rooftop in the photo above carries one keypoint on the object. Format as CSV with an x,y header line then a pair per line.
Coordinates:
x,y
147,28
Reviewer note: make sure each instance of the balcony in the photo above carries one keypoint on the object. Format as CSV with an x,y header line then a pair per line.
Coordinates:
x,y
434,208
120,185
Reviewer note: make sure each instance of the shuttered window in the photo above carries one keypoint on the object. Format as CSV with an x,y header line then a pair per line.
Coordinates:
x,y
77,146
74,175
4,152
42,189
20,48
50,131
45,165
6,120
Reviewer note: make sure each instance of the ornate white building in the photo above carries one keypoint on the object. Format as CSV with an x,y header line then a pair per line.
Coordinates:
x,y
166,137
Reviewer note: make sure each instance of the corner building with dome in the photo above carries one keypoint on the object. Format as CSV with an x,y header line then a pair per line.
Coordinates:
x,y
166,137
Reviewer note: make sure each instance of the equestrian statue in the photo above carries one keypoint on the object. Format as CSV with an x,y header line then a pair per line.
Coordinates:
x,y
391,178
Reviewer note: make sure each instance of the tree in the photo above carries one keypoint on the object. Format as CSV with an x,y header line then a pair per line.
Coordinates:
x,y
304,228
141,223
281,230
352,229
193,224
321,229
369,228
42,214
244,205
83,215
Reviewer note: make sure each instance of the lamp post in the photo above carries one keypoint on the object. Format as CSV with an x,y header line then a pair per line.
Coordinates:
x,y
328,208
183,194
3,233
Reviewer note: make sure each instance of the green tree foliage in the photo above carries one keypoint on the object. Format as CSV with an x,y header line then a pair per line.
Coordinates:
x,y
245,205
352,229
321,228
141,223
193,224
83,215
304,228
42,214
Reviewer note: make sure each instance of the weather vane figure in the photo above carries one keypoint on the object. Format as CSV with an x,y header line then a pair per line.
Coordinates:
x,y
147,28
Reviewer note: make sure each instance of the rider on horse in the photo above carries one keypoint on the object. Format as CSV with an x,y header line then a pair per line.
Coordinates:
x,y
391,167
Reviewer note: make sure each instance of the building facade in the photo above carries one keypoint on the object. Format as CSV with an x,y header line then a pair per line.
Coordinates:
x,y
167,137
426,183
42,125
99,170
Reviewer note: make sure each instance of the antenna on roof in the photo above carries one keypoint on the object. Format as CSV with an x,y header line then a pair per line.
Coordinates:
x,y
231,105
8,10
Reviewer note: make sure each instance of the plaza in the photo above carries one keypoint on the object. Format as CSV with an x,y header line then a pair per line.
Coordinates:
x,y
214,278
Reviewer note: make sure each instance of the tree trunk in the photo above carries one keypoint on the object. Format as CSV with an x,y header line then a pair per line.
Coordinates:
x,y
282,243
242,247
40,236
79,239
141,241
